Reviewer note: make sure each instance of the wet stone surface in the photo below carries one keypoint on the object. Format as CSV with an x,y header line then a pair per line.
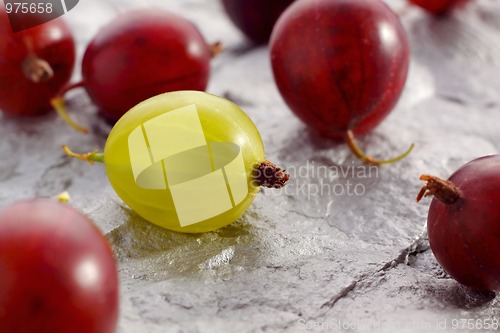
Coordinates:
x,y
343,247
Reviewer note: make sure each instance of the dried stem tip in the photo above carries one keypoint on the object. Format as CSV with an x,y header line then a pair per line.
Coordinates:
x,y
34,68
269,175
37,70
215,49
443,190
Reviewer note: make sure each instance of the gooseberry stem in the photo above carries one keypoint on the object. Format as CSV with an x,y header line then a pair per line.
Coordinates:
x,y
269,175
356,150
215,49
91,157
443,190
71,86
58,104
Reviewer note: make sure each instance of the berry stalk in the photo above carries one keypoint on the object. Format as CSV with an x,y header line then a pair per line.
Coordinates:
x,y
443,190
58,104
359,153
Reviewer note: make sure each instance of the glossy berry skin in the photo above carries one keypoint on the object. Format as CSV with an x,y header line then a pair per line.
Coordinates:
x,y
340,65
53,42
465,236
142,54
255,18
57,271
221,121
438,7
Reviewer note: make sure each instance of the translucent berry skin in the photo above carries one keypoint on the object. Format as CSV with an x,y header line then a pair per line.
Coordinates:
x,y
52,42
340,64
142,54
221,120
465,236
57,271
438,7
255,18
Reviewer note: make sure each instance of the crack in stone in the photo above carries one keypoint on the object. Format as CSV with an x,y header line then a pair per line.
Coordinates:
x,y
343,293
420,245
416,247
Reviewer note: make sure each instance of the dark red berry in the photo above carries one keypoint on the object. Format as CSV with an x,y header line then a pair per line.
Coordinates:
x,y
464,222
57,271
142,54
34,65
255,18
340,65
438,7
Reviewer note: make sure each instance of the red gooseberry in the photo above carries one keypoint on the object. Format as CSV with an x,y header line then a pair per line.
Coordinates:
x,y
255,18
340,65
438,7
58,273
464,222
34,65
141,54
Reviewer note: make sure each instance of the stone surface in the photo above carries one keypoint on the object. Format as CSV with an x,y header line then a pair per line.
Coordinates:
x,y
311,257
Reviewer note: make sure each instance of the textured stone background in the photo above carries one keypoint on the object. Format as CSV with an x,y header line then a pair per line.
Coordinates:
x,y
295,260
